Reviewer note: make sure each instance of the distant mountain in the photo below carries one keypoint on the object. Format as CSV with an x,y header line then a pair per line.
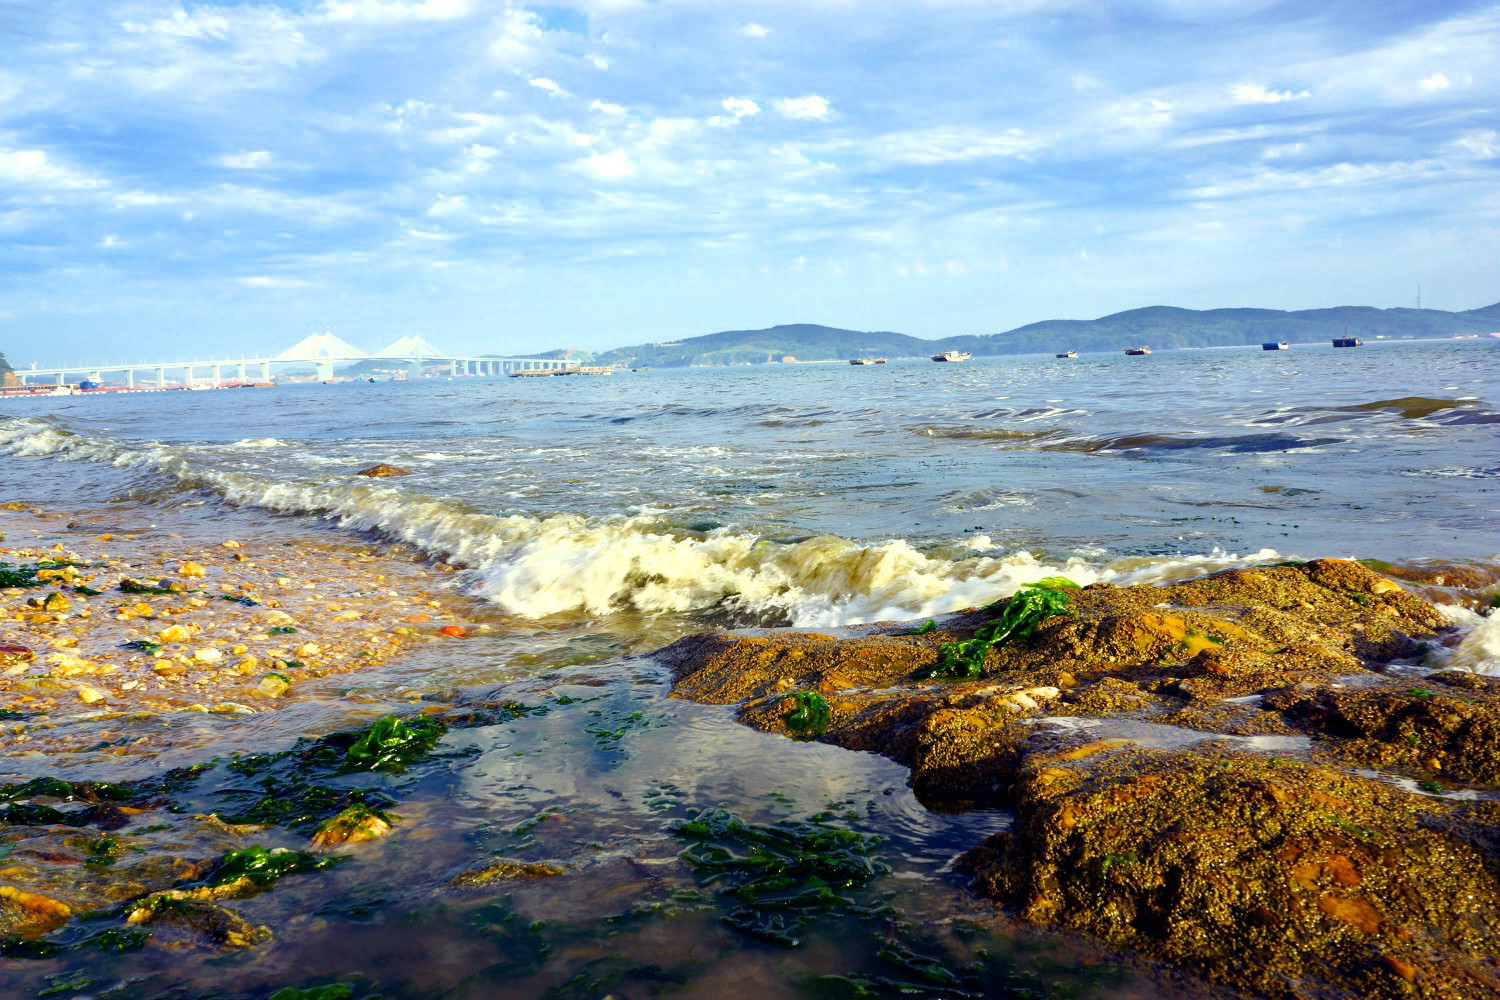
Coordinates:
x,y
1154,326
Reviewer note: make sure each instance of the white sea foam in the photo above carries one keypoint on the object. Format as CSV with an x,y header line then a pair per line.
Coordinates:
x,y
540,566
1479,648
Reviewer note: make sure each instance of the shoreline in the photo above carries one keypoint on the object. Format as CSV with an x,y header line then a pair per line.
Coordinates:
x,y
1103,806
105,625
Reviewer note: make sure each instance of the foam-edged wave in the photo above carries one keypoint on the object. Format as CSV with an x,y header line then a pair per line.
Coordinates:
x,y
566,563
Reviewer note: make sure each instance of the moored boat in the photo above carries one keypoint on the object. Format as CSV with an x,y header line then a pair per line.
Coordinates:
x,y
1279,345
1137,350
1348,342
1068,354
952,356
861,361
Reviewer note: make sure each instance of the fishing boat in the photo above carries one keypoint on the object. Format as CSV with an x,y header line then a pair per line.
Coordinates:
x,y
880,361
1137,350
1348,342
861,361
1279,345
1068,354
952,356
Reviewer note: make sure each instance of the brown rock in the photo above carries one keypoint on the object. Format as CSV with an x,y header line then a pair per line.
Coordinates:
x,y
382,471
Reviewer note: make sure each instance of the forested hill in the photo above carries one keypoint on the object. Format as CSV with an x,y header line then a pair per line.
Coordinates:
x,y
1155,326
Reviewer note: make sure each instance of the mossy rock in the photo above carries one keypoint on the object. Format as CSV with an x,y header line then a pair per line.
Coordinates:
x,y
1267,876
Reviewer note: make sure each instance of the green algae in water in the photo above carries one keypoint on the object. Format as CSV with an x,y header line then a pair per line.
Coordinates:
x,y
266,868
779,878
333,991
391,743
1018,618
808,714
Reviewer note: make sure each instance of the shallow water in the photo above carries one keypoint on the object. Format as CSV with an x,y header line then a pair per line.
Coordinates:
x,y
596,519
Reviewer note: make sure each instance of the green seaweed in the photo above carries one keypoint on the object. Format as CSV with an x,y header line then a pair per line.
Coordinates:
x,y
86,591
79,937
808,714
266,867
778,878
148,646
281,630
1018,618
19,576
332,991
390,744
248,602
104,851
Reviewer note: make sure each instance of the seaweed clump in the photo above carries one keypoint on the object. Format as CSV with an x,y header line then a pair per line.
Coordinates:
x,y
1017,618
808,714
782,876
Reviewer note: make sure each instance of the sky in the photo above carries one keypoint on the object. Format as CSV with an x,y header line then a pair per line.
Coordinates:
x,y
223,179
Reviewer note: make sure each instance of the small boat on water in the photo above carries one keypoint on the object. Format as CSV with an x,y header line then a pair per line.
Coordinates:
x,y
1137,350
952,356
1279,345
861,361
1068,354
880,361
1348,342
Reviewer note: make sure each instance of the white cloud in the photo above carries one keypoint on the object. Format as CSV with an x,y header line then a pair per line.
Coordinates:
x,y
811,106
608,166
1258,93
519,39
607,108
1433,83
33,168
738,107
753,30
951,144
392,11
271,281
251,160
447,207
550,86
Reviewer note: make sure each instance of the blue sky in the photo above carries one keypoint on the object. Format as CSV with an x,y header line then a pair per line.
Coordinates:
x,y
218,178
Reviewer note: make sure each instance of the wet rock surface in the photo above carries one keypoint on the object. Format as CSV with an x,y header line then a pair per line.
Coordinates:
x,y
1188,767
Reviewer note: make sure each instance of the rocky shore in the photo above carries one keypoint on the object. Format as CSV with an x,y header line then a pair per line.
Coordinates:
x,y
111,644
1263,776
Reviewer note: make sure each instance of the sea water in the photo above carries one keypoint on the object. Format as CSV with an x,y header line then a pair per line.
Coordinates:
x,y
594,519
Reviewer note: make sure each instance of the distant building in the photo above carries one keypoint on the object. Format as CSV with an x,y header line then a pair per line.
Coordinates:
x,y
787,359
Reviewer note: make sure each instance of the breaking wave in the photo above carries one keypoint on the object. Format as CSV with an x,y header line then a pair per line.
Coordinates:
x,y
566,563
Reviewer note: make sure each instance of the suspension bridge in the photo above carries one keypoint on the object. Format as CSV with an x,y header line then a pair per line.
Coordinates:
x,y
323,351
